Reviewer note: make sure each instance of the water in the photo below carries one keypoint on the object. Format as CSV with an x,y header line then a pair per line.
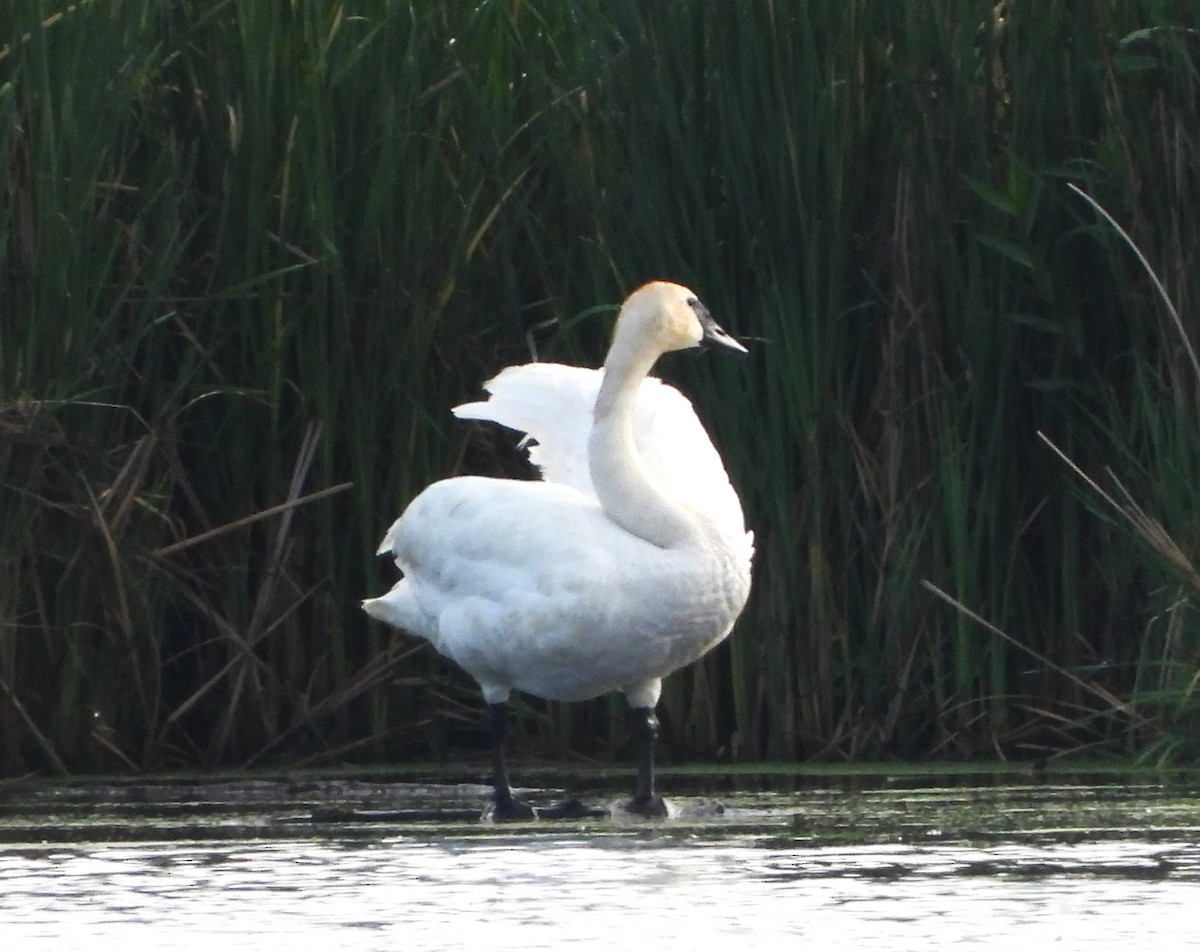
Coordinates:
x,y
247,867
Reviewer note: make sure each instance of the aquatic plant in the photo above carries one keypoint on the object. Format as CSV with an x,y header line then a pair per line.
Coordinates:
x,y
250,254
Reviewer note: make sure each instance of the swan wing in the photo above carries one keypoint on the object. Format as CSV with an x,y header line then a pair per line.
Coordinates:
x,y
553,405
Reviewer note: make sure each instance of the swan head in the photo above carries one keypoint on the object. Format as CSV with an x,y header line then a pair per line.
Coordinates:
x,y
662,316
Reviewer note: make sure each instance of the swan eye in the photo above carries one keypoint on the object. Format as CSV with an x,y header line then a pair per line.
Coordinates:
x,y
699,310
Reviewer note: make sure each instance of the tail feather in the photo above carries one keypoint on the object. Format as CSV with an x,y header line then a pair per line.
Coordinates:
x,y
397,608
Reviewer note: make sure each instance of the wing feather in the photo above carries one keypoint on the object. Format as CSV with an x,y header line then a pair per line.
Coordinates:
x,y
553,403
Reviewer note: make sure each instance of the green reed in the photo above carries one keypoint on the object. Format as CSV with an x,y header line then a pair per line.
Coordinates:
x,y
251,254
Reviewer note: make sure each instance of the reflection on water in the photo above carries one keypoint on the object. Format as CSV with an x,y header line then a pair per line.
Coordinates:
x,y
543,891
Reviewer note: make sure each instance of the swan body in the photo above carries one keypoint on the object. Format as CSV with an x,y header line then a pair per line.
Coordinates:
x,y
606,611
627,561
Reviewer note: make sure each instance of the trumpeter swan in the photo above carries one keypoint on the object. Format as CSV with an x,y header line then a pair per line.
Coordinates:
x,y
629,560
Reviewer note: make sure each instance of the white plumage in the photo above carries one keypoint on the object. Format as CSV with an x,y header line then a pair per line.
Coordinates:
x,y
629,560
553,405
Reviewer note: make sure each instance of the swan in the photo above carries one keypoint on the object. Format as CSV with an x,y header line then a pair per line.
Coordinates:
x,y
628,560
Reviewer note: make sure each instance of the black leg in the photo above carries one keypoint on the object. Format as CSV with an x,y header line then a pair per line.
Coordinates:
x,y
508,807
645,729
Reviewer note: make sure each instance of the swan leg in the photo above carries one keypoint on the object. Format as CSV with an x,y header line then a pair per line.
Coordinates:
x,y
507,805
645,801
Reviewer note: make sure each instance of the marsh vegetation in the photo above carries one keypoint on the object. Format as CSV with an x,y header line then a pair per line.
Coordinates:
x,y
251,253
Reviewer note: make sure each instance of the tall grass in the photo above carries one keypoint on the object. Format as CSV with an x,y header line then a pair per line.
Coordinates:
x,y
252,252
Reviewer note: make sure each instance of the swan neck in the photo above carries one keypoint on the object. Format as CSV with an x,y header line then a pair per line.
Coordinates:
x,y
625,487
624,370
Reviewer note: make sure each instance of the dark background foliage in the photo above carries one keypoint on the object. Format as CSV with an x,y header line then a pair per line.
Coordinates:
x,y
251,253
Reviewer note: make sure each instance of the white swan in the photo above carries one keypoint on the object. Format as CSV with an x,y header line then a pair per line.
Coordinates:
x,y
630,560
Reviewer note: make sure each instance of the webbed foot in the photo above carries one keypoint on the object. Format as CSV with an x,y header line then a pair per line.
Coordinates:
x,y
510,810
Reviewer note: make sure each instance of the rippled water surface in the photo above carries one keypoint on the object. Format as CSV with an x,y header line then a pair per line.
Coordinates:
x,y
259,866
